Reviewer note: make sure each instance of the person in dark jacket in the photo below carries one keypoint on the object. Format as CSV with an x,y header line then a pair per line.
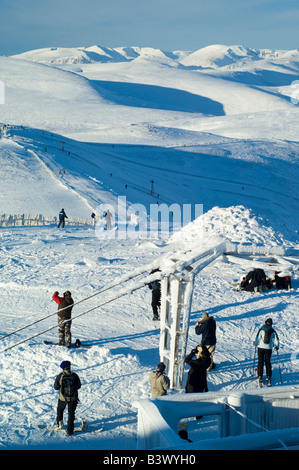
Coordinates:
x,y
155,287
207,328
68,395
197,375
62,217
255,281
65,306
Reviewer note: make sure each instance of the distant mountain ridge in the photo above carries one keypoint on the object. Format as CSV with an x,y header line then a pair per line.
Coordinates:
x,y
214,56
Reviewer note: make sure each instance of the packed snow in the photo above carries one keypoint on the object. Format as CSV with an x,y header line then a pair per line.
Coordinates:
x,y
215,127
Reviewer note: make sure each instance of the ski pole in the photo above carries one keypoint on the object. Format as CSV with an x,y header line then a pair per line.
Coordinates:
x,y
253,370
279,366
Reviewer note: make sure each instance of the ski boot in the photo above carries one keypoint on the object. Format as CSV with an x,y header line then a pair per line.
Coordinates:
x,y
269,381
260,382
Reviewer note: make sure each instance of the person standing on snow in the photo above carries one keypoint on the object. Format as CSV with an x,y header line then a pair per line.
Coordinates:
x,y
265,340
68,383
159,382
207,328
108,217
62,217
155,287
197,375
65,306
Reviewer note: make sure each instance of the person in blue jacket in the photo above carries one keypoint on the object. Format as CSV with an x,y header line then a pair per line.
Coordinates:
x,y
207,328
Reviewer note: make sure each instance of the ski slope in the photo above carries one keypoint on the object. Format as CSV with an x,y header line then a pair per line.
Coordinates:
x,y
204,135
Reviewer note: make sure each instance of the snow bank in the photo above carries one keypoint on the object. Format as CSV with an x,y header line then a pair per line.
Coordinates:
x,y
236,224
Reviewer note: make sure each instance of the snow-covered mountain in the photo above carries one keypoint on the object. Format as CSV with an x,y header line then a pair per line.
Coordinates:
x,y
213,56
215,127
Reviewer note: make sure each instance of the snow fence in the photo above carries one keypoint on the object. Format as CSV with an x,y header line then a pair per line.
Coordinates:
x,y
18,220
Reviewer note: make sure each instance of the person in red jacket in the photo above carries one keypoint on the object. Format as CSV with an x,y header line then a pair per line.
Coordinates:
x,y
65,305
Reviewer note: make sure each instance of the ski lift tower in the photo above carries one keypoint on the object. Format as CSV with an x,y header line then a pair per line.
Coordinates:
x,y
176,300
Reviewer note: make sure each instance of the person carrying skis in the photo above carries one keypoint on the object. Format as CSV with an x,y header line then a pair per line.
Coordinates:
x,y
155,287
62,217
159,382
68,383
265,340
65,306
207,328
197,375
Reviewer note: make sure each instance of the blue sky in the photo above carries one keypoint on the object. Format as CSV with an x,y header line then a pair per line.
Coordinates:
x,y
165,24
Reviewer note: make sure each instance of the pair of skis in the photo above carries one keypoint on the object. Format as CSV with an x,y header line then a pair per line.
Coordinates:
x,y
255,369
83,427
76,345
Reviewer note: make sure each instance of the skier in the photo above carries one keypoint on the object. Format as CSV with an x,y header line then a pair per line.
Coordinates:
x,y
62,217
155,287
134,219
108,217
159,382
207,328
65,304
265,340
197,375
68,383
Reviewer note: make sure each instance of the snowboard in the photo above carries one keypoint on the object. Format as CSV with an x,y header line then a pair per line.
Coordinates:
x,y
75,345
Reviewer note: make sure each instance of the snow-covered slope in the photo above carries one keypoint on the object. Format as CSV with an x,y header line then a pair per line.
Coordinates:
x,y
145,102
204,137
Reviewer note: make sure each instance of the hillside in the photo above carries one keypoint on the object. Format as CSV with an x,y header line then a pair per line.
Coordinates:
x,y
219,131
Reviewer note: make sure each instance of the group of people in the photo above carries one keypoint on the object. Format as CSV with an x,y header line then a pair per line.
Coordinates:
x,y
200,359
257,281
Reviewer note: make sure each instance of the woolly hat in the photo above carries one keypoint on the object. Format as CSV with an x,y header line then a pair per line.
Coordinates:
x,y
269,321
161,366
65,365
205,315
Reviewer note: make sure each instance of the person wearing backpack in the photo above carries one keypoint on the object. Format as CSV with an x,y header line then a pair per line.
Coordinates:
x,y
68,383
265,340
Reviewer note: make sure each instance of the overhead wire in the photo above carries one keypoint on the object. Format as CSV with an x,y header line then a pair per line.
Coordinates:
x,y
121,294
122,280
